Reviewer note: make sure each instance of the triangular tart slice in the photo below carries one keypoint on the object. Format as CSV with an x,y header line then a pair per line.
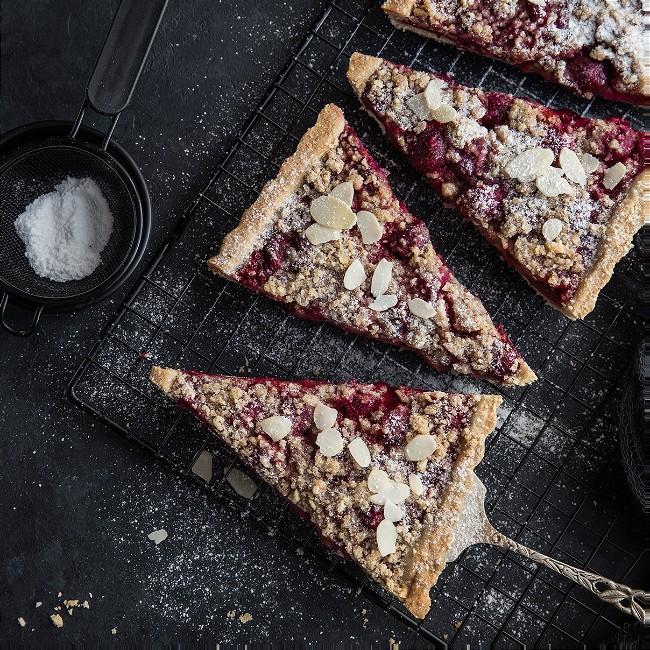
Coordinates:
x,y
381,472
591,47
558,195
329,239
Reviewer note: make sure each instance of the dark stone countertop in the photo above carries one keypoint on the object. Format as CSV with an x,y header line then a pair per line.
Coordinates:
x,y
77,500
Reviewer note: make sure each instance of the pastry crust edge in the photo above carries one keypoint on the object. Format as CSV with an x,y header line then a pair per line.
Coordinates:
x,y
239,243
428,562
627,219
163,378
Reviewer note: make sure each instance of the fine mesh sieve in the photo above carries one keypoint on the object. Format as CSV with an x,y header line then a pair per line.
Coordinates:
x,y
37,157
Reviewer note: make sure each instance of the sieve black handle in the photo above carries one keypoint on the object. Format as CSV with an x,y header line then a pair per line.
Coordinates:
x,y
123,55
12,330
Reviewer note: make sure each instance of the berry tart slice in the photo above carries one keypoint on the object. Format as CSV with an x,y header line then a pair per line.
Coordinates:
x,y
558,195
592,47
329,239
381,472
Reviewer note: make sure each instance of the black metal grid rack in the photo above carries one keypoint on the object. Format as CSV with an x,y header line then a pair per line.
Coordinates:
x,y
548,468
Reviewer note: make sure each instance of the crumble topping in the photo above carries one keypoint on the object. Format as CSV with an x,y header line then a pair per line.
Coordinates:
x,y
374,510
521,177
565,39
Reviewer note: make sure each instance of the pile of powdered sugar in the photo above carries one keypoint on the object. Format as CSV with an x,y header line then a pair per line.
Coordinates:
x,y
66,230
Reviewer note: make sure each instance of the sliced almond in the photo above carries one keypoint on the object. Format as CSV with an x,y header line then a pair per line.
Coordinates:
x,y
158,536
614,175
444,113
359,451
393,491
589,163
203,466
530,164
276,427
418,104
392,512
416,485
552,183
354,276
332,213
370,228
330,442
241,483
551,229
383,303
420,447
377,480
344,192
570,163
317,234
381,278
433,95
421,308
386,537
324,416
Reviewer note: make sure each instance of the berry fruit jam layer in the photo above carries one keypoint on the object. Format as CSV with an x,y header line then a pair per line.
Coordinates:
x,y
592,47
560,196
329,239
381,472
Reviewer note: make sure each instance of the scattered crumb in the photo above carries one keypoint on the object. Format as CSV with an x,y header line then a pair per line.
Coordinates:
x,y
59,594
246,618
57,620
57,608
393,644
457,624
231,613
70,611
158,536
71,603
445,636
114,630
300,551
86,604
39,603
21,621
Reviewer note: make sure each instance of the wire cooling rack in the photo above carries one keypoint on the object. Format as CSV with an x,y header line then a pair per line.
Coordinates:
x,y
548,468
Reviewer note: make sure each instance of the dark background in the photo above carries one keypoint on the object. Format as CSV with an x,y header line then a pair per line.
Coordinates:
x,y
77,501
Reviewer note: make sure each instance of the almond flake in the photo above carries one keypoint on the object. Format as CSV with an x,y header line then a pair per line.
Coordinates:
x,y
354,276
332,213
203,466
276,427
614,175
386,537
317,234
324,416
552,183
416,485
377,480
421,308
444,113
420,447
158,536
330,442
359,451
344,192
392,491
418,104
589,163
371,230
572,167
381,278
551,229
241,483
21,621
392,512
530,164
432,94
56,620
383,303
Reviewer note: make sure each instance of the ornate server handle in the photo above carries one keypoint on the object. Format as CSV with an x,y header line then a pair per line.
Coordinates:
x,y
632,601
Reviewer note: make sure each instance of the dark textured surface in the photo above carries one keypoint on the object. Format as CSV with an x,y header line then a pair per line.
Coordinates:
x,y
77,502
